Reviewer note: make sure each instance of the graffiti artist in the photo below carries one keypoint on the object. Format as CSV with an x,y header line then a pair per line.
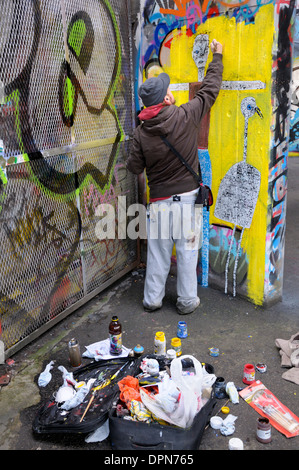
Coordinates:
x,y
169,181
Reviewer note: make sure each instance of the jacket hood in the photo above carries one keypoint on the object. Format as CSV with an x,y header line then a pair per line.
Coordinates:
x,y
162,123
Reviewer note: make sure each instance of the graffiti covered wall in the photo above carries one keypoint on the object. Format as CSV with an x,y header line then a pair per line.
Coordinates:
x,y
65,116
244,139
294,130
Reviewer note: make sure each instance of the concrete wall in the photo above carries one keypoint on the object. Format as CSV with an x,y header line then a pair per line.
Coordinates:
x,y
245,155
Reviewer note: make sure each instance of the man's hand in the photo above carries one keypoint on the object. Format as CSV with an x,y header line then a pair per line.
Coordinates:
x,y
216,47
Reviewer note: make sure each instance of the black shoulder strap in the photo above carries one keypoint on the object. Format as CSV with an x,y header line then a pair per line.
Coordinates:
x,y
196,176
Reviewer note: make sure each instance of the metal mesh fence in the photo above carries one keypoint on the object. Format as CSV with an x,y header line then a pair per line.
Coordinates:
x,y
65,119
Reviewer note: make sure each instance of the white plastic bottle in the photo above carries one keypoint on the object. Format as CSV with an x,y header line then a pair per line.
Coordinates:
x,y
160,344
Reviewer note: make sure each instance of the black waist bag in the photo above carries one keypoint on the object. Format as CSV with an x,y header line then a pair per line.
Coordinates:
x,y
204,196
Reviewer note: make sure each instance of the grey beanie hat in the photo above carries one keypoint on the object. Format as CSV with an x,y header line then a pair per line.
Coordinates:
x,y
154,89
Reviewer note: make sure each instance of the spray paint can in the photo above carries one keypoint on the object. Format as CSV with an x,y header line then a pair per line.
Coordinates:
x,y
74,353
249,374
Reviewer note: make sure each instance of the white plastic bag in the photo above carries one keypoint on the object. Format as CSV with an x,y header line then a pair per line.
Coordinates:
x,y
188,402
158,409
190,387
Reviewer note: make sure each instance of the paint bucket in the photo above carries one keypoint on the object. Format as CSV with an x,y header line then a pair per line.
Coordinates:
x,y
182,331
176,344
214,352
249,374
263,432
216,422
220,385
261,367
235,444
138,350
171,354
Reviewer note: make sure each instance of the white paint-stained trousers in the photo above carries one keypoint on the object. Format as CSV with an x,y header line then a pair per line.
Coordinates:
x,y
173,222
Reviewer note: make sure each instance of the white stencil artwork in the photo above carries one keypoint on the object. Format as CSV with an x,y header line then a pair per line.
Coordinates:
x,y
239,190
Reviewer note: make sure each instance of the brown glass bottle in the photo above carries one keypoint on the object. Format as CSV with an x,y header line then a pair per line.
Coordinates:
x,y
115,335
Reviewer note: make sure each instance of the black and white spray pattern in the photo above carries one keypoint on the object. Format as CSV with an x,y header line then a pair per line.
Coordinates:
x,y
239,190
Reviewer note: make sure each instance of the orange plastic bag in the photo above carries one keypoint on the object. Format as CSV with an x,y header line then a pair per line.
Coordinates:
x,y
129,390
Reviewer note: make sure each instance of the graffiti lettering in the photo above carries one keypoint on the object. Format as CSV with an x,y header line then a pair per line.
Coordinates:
x,y
181,5
204,9
18,92
36,228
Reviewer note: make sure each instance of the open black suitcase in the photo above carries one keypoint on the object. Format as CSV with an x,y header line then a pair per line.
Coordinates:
x,y
124,434
134,435
52,419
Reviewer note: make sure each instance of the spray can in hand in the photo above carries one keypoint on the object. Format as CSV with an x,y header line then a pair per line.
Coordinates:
x,y
115,335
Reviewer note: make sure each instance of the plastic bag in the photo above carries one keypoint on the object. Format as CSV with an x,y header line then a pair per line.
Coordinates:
x,y
190,387
156,407
168,394
187,402
208,379
99,434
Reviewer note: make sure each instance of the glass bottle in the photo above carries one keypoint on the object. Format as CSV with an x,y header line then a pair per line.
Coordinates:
x,y
115,335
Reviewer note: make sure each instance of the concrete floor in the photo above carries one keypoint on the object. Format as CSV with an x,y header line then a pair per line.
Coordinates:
x,y
242,332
